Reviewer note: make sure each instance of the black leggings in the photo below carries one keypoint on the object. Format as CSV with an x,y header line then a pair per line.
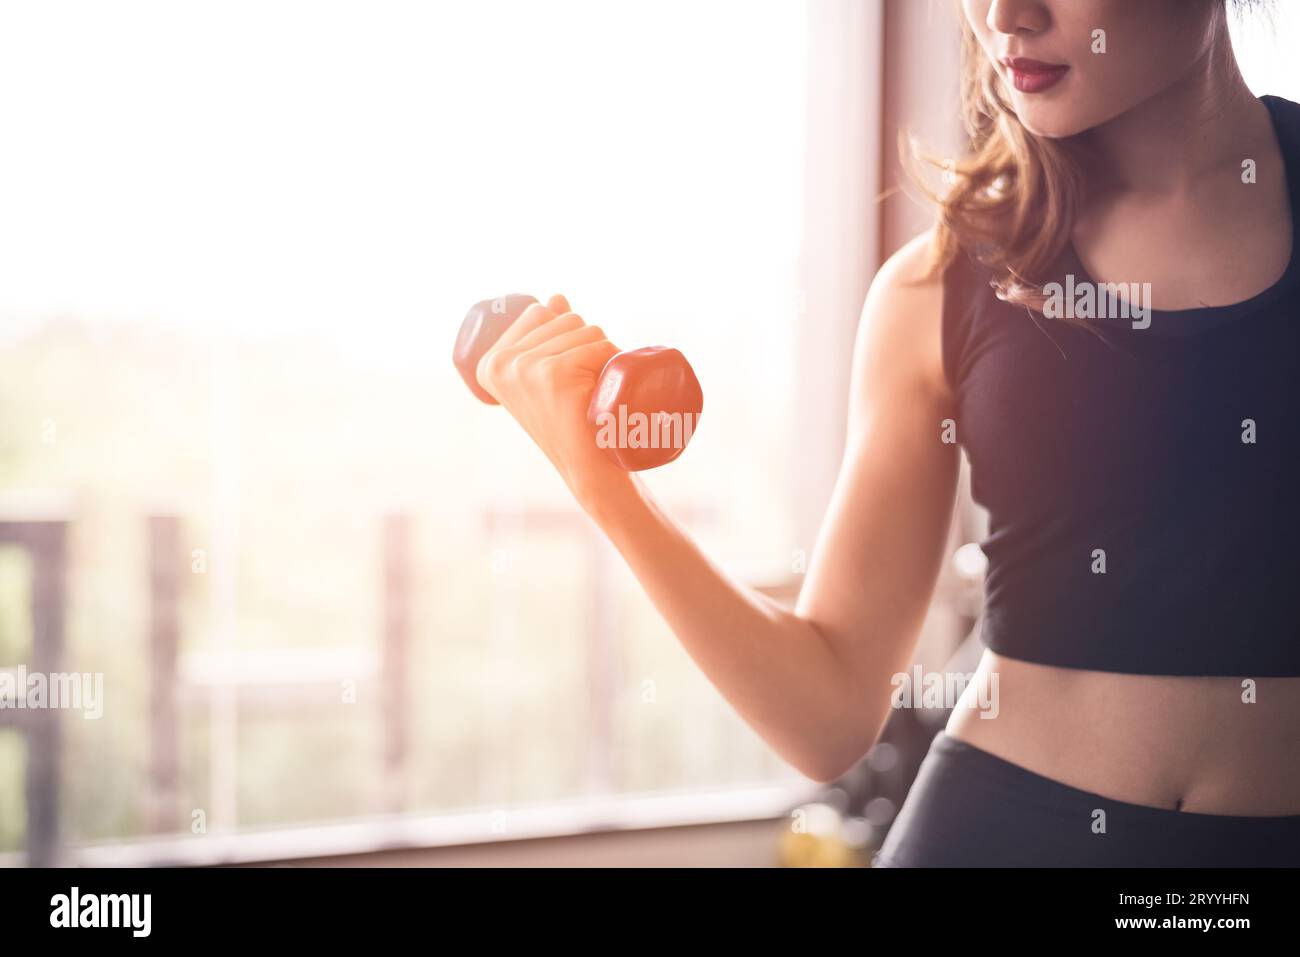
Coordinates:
x,y
970,808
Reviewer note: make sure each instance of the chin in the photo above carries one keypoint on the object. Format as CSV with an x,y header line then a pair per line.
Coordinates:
x,y
1050,127
1057,121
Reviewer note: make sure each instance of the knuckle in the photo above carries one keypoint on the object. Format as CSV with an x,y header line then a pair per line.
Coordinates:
x,y
520,363
493,365
547,371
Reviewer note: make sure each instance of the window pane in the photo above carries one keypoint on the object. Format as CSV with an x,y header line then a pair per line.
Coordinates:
x,y
238,244
1265,39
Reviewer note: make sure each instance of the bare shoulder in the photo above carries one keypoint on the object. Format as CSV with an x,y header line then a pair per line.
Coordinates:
x,y
909,265
900,333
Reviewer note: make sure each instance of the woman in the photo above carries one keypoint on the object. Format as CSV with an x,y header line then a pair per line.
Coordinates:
x,y
1136,455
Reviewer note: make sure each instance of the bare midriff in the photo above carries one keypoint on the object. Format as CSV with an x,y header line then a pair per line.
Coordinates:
x,y
1207,745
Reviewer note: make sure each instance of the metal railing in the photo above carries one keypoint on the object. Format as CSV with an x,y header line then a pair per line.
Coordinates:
x,y
267,682
40,529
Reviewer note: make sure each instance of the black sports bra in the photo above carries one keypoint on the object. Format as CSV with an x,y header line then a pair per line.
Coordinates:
x,y
1142,484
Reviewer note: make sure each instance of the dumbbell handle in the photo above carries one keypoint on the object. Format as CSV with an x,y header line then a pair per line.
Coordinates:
x,y
649,383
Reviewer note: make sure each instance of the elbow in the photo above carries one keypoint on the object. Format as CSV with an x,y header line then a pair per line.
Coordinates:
x,y
837,734
824,773
826,766
826,756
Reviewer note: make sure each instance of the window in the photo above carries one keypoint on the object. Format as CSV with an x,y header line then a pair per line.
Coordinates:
x,y
1261,38
238,242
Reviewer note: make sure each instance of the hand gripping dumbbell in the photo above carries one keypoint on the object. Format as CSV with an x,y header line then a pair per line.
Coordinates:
x,y
646,404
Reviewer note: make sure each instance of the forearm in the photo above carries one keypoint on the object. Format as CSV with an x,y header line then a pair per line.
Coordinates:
x,y
814,681
779,671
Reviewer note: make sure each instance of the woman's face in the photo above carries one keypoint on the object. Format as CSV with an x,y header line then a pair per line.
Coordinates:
x,y
1070,65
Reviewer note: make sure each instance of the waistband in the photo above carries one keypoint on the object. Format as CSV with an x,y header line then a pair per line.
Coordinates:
x,y
1028,782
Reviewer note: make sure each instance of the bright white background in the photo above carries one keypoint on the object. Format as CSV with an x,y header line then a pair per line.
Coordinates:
x,y
366,171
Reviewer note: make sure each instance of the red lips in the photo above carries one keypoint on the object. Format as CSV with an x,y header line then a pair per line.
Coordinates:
x,y
1033,76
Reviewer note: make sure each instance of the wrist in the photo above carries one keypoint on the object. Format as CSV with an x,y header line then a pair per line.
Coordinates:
x,y
607,494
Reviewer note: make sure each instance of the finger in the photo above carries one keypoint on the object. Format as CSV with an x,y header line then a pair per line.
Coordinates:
x,y
549,330
558,305
594,353
568,340
534,316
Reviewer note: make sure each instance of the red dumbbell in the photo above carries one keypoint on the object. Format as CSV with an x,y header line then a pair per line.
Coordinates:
x,y
647,402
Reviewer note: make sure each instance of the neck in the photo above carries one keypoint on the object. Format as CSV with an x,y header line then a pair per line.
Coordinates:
x,y
1207,120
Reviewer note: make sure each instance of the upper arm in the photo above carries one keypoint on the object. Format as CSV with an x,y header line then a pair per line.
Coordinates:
x,y
881,545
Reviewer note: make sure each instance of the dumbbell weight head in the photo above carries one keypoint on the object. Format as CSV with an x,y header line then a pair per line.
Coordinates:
x,y
484,324
646,407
